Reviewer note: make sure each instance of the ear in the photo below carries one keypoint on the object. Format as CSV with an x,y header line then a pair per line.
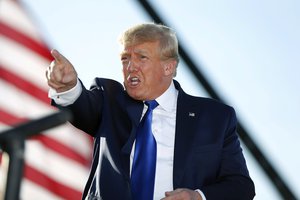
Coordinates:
x,y
169,67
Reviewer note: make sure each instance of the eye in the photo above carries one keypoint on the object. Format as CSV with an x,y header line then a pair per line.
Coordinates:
x,y
124,58
143,57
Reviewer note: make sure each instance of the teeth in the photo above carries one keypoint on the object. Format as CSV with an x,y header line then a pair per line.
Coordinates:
x,y
134,80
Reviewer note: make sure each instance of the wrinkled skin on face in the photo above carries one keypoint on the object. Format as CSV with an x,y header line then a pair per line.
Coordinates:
x,y
146,75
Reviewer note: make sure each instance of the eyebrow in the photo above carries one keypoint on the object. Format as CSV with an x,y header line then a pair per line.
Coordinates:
x,y
139,51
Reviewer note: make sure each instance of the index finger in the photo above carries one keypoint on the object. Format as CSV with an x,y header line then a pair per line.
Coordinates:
x,y
57,56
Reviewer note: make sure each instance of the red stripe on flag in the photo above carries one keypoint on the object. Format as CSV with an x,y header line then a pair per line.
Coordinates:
x,y
48,142
24,85
62,149
55,187
9,119
26,41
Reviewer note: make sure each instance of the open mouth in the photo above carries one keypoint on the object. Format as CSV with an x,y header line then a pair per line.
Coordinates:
x,y
133,81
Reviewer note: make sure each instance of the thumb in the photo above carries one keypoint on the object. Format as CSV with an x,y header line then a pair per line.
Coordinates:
x,y
59,58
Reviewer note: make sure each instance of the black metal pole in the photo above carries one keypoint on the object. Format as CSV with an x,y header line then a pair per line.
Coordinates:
x,y
267,167
12,141
15,150
35,126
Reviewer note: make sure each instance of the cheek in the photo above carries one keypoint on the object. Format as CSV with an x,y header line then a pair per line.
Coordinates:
x,y
124,72
156,75
124,69
152,82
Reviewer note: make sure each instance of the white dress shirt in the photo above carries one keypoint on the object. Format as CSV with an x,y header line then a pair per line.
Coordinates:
x,y
163,128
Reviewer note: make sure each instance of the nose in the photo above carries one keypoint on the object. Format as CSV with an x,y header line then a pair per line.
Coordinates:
x,y
131,67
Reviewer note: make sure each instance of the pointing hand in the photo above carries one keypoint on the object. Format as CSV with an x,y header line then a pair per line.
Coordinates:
x,y
61,74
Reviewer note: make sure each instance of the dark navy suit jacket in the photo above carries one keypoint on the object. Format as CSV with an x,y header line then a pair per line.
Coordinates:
x,y
207,152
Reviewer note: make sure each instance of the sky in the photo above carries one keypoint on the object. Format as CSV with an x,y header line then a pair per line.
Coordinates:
x,y
248,50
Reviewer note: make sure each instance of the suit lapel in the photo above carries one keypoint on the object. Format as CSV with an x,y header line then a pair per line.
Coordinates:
x,y
184,135
134,110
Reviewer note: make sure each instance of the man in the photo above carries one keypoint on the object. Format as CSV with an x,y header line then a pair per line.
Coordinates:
x,y
198,154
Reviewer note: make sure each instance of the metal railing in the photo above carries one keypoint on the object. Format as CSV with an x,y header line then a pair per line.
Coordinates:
x,y
12,141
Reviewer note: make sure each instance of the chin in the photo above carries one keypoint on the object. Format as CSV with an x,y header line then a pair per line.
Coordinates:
x,y
133,95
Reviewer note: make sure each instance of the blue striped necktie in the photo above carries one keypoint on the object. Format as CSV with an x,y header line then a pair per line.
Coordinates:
x,y
144,161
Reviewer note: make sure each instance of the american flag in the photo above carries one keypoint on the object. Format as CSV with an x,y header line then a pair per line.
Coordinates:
x,y
56,161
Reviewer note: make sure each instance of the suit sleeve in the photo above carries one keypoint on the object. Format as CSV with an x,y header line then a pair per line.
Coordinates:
x,y
233,181
87,108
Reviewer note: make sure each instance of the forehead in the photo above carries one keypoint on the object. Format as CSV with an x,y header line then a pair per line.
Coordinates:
x,y
146,47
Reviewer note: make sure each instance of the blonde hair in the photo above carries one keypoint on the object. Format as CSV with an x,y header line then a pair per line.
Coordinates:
x,y
151,32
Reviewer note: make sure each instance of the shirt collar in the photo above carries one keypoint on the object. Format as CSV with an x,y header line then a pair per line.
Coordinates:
x,y
168,99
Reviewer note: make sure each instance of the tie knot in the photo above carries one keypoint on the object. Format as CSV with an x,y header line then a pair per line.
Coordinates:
x,y
151,104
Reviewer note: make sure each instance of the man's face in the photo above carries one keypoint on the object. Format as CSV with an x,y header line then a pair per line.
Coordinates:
x,y
146,76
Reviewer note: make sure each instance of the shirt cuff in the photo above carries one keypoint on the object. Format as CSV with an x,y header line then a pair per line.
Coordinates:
x,y
201,194
66,98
